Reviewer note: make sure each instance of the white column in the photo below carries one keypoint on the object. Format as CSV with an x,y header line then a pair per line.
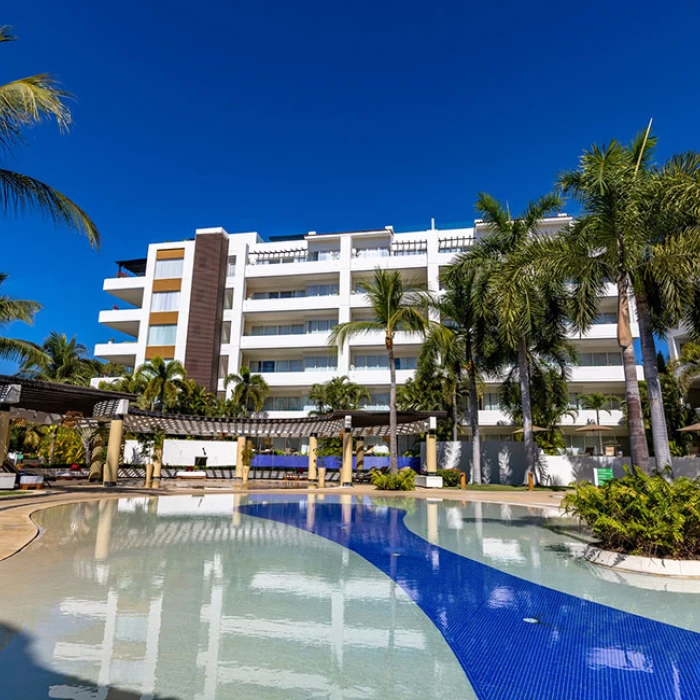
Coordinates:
x,y
345,290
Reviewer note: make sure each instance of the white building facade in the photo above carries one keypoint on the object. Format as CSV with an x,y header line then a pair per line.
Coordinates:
x,y
221,301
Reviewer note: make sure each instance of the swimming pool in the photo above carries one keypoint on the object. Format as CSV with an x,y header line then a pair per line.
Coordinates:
x,y
264,596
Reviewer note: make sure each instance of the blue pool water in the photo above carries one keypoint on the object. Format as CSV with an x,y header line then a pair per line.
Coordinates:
x,y
262,596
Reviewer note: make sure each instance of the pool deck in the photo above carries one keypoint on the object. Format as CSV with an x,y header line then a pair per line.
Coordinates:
x,y
18,530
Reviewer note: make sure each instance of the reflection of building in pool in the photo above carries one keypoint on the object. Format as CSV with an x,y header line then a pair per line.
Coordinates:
x,y
285,622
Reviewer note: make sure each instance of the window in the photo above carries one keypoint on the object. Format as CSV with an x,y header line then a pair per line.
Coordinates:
x,y
168,269
226,332
600,359
380,361
377,401
322,290
491,401
267,366
231,269
162,335
283,403
320,326
319,363
228,299
165,301
405,362
605,317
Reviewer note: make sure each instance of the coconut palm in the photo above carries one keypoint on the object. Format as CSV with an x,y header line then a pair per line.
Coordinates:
x,y
163,382
637,232
130,383
395,305
528,303
460,346
65,360
337,394
249,391
17,310
195,399
25,103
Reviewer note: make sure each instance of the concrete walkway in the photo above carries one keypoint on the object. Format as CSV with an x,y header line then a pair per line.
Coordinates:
x,y
17,529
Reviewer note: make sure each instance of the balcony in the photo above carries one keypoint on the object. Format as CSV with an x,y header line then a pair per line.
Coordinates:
x,y
378,377
127,289
377,338
614,373
301,340
316,303
123,353
125,321
407,254
292,262
298,379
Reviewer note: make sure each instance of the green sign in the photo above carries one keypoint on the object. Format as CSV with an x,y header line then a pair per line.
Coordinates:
x,y
601,475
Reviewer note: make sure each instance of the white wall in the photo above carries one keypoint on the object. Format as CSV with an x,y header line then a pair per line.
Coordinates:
x,y
183,452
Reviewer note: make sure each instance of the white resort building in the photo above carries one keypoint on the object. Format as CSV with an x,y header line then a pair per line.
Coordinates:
x,y
221,301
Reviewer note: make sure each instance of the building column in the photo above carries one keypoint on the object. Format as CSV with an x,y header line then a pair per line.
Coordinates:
x,y
346,468
114,448
313,446
240,454
4,432
157,464
431,448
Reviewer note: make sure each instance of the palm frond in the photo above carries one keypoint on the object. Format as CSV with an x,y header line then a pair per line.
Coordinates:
x,y
20,193
344,331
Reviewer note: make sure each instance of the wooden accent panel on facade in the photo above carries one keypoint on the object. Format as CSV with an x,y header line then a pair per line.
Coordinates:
x,y
206,309
171,285
167,352
162,318
173,254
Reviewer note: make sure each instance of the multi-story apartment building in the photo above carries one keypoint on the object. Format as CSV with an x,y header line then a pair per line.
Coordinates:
x,y
221,301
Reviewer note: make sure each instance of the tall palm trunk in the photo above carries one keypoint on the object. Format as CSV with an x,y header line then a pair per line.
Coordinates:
x,y
526,400
639,451
455,416
393,442
659,432
474,421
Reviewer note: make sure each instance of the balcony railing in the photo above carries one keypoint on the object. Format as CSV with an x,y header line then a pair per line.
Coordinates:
x,y
396,250
282,257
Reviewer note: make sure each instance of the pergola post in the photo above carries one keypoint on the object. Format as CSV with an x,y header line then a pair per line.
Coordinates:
x,y
346,468
431,446
114,448
313,447
4,431
157,464
104,528
240,454
97,457
359,453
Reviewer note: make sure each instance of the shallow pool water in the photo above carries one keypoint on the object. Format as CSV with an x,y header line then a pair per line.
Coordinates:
x,y
223,596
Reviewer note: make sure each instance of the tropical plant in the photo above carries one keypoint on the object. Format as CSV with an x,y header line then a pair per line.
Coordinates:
x,y
194,399
687,366
130,383
337,394
427,393
635,232
527,303
596,402
65,361
249,391
549,401
163,382
61,446
450,477
25,103
461,347
17,310
651,516
402,480
394,303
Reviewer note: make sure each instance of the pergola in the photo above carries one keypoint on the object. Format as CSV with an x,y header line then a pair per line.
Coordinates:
x,y
50,403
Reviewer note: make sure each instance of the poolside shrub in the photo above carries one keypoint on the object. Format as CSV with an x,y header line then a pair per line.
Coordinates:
x,y
450,477
647,515
404,480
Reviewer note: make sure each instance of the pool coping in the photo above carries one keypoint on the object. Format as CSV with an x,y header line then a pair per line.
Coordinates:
x,y
18,529
651,566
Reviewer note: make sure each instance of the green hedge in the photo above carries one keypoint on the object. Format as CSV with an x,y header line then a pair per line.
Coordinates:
x,y
450,477
642,514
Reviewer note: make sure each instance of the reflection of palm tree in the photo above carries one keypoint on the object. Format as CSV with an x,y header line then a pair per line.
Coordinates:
x,y
394,305
249,391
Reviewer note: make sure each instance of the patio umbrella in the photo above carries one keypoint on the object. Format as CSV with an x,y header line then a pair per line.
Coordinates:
x,y
594,428
535,429
695,427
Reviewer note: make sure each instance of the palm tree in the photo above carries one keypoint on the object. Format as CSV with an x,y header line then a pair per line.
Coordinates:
x,y
249,391
130,383
17,310
638,232
64,361
395,306
195,399
337,394
163,381
596,402
459,346
687,366
25,103
529,305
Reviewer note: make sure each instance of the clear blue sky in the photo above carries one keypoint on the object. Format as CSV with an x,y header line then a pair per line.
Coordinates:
x,y
284,117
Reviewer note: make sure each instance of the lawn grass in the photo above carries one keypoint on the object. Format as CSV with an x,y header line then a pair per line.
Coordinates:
x,y
17,492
